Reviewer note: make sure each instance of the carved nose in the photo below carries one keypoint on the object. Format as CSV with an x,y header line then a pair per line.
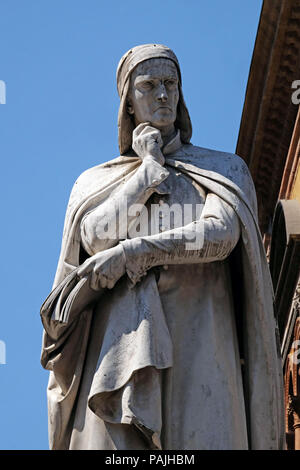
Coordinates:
x,y
162,94
163,97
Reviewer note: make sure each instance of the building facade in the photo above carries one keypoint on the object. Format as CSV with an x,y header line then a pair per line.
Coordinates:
x,y
269,141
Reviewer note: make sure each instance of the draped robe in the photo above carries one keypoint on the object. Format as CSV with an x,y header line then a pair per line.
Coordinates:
x,y
156,361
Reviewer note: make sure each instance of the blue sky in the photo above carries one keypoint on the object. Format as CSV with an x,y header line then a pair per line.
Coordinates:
x,y
58,59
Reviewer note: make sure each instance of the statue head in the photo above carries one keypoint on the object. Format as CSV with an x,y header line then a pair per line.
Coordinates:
x,y
149,85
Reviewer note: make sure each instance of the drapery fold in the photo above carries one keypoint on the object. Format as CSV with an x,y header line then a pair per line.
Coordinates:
x,y
117,392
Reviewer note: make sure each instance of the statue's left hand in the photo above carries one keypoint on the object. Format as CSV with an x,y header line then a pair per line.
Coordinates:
x,y
104,268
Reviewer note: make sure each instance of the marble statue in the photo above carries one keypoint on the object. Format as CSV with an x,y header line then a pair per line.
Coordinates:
x,y
160,332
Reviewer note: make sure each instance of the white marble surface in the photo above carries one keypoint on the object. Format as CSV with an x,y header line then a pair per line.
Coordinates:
x,y
155,363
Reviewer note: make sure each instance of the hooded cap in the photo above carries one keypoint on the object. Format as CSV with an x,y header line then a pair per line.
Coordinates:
x,y
127,64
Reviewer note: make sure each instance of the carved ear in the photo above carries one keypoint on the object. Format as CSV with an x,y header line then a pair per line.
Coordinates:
x,y
183,121
129,107
126,123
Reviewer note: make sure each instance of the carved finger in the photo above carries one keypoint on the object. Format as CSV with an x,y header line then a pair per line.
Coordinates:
x,y
85,269
103,281
137,131
159,140
110,283
95,282
148,130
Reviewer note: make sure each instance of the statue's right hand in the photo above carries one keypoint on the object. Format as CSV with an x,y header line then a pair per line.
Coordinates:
x,y
147,142
104,269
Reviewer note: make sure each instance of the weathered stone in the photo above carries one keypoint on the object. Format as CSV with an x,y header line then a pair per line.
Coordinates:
x,y
185,294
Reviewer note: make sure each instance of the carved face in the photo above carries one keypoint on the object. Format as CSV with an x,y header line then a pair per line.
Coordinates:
x,y
154,95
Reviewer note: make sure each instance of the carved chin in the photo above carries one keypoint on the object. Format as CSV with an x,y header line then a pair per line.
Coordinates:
x,y
163,116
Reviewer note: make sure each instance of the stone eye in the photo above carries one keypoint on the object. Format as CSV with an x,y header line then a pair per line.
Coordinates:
x,y
170,82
